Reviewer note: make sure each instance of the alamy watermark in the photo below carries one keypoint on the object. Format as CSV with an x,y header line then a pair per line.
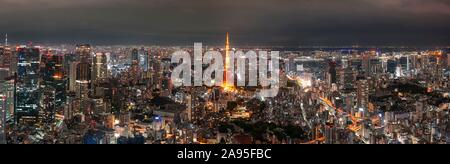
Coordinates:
x,y
260,65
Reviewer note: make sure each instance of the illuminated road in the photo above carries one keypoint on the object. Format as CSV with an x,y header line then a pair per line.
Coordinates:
x,y
332,109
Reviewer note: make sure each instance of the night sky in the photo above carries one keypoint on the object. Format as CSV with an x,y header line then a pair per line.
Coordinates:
x,y
250,22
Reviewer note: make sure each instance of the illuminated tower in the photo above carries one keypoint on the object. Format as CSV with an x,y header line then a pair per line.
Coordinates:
x,y
227,59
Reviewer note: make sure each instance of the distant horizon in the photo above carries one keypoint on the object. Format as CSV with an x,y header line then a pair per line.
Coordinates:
x,y
236,45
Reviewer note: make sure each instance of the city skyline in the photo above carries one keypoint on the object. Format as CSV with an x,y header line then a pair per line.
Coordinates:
x,y
254,72
268,22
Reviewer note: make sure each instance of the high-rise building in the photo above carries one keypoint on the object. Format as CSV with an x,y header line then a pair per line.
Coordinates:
x,y
399,71
3,107
391,66
83,80
331,74
27,87
134,55
54,83
83,70
362,95
70,63
143,59
100,67
347,78
366,57
73,76
5,59
7,89
84,52
4,72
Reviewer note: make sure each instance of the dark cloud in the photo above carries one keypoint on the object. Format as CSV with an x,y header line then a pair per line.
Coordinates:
x,y
290,22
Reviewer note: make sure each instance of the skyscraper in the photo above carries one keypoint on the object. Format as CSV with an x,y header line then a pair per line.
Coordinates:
x,y
73,75
83,80
84,52
69,59
2,119
331,74
7,88
347,78
5,57
54,83
28,94
366,64
4,72
134,55
362,95
100,67
83,70
143,59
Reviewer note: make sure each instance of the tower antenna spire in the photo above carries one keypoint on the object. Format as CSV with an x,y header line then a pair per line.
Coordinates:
x,y
6,39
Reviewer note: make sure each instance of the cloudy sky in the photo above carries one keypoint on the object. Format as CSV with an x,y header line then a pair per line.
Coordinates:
x,y
262,22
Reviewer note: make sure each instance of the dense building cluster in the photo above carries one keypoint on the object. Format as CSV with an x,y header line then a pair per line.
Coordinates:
x,y
88,94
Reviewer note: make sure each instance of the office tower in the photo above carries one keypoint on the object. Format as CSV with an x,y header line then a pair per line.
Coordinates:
x,y
391,66
100,66
347,78
399,71
84,52
404,63
83,80
7,88
73,76
156,69
2,58
8,60
83,70
143,59
4,73
3,107
27,87
54,83
365,64
134,55
70,63
331,74
290,64
362,94
375,67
